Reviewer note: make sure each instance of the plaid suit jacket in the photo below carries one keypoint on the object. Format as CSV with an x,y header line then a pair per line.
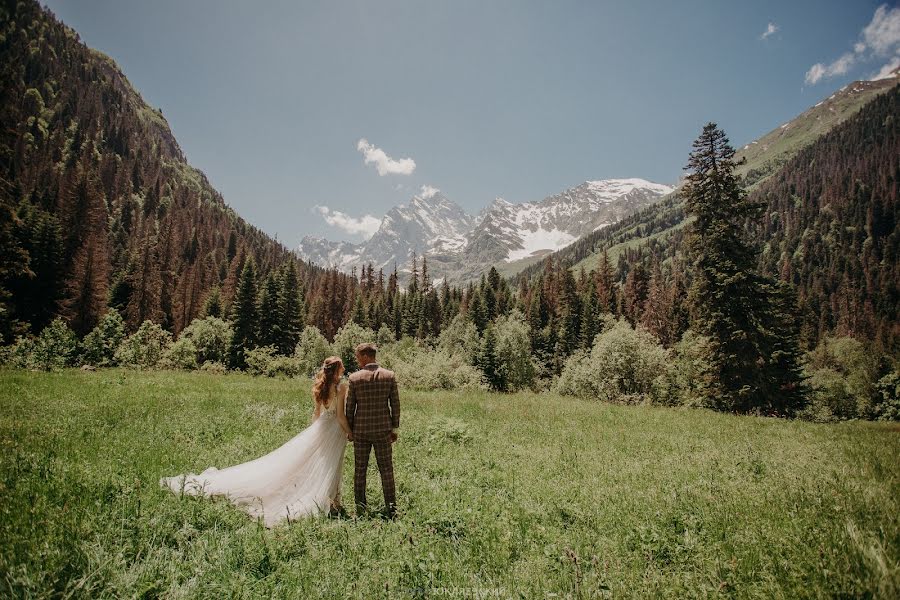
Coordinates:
x,y
373,402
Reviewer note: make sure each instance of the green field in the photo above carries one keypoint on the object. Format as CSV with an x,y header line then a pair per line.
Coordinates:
x,y
527,495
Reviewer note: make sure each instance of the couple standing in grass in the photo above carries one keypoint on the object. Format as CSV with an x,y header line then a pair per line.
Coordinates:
x,y
303,476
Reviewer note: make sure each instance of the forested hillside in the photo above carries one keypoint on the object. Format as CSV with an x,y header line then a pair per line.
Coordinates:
x,y
99,206
830,227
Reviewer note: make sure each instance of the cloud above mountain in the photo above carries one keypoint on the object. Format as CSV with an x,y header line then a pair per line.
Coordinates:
x,y
365,226
878,40
384,164
771,29
428,191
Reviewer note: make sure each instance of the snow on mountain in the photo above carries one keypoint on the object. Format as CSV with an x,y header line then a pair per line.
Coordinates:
x,y
430,224
460,246
533,228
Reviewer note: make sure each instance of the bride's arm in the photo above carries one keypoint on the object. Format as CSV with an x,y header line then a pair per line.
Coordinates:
x,y
341,416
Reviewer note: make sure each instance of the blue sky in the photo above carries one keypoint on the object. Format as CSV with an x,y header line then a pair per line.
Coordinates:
x,y
487,98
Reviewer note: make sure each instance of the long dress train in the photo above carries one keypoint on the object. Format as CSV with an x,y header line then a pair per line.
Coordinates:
x,y
301,478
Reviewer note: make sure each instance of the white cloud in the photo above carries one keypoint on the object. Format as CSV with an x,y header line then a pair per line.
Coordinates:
x,y
887,70
428,191
879,39
882,35
365,225
770,29
384,164
838,67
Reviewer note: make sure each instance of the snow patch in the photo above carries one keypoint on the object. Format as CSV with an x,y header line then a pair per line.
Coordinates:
x,y
541,239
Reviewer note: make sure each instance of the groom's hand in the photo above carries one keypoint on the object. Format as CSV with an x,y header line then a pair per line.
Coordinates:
x,y
392,437
350,437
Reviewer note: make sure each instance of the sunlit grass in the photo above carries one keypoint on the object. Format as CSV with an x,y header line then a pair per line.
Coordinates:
x,y
528,494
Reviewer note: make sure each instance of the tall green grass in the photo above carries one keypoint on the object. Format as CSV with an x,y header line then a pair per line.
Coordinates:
x,y
525,495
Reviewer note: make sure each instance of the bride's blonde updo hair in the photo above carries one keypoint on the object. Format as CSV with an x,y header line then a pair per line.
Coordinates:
x,y
326,378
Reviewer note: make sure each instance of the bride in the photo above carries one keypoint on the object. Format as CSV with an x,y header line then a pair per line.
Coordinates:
x,y
302,477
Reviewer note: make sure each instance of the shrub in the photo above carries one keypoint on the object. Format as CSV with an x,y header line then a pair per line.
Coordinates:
x,y
842,378
100,345
513,351
145,347
384,336
311,351
345,341
625,365
460,337
691,368
180,355
20,353
420,368
887,407
55,347
214,367
211,337
266,361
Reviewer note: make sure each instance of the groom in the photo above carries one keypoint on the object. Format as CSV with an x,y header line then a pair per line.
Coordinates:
x,y
373,413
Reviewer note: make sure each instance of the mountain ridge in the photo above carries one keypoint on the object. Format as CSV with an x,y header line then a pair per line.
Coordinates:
x,y
460,246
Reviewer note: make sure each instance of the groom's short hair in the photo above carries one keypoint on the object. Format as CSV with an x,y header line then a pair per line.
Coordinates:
x,y
367,349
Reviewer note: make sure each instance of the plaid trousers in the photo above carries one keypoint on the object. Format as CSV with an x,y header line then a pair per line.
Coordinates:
x,y
362,449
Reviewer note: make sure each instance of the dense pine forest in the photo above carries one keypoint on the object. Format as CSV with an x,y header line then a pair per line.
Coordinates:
x,y
99,207
831,227
115,251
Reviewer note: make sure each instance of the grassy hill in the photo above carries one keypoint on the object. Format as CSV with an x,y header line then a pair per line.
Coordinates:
x,y
525,495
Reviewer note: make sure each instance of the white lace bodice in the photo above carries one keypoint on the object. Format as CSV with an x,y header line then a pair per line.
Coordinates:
x,y
330,411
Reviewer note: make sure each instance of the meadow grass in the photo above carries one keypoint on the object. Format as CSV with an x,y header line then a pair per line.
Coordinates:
x,y
524,496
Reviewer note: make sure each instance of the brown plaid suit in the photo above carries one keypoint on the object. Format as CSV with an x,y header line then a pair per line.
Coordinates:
x,y
373,410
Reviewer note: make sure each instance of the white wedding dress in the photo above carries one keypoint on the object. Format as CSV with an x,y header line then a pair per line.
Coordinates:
x,y
301,478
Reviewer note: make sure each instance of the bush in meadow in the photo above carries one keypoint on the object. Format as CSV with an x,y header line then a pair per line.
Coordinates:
x,y
887,407
211,337
19,354
626,365
384,336
101,343
691,368
311,350
268,362
214,367
144,348
843,375
421,368
180,355
56,347
345,341
460,337
513,351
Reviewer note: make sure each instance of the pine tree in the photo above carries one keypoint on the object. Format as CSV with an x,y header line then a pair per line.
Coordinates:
x,y
212,306
358,315
290,309
730,302
486,360
606,297
243,316
654,317
589,325
634,293
87,253
570,307
269,319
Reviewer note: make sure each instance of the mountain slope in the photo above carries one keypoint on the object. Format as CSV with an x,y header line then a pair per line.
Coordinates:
x,y
664,220
98,194
461,247
831,227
